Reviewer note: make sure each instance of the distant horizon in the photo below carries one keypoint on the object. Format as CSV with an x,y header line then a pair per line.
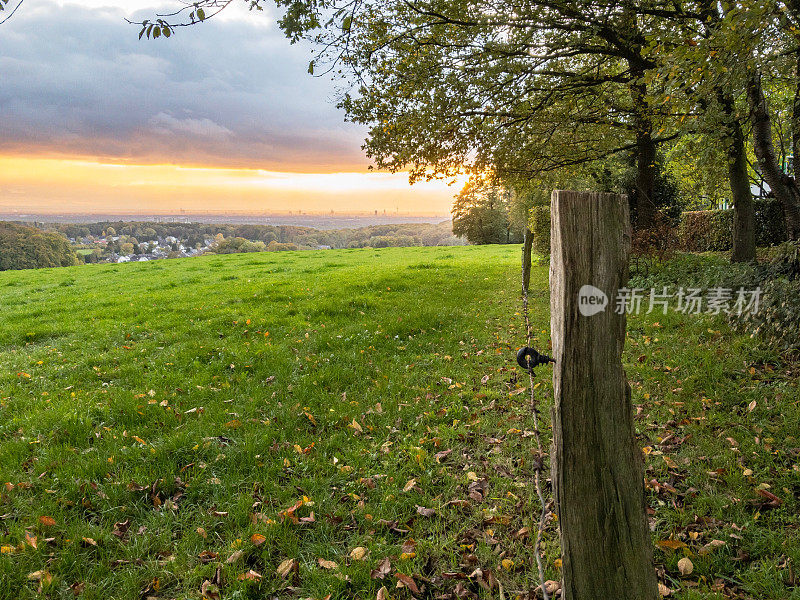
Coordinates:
x,y
321,221
15,212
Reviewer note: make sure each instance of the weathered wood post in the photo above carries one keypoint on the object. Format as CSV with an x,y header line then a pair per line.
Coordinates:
x,y
597,465
527,246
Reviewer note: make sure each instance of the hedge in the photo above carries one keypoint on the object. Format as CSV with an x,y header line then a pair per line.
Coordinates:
x,y
712,230
770,222
540,227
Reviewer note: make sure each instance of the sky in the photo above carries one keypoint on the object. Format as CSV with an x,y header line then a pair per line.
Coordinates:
x,y
221,117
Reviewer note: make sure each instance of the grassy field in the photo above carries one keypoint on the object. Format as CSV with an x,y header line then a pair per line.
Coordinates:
x,y
281,424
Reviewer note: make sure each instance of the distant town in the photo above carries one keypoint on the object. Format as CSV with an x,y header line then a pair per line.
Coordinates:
x,y
32,244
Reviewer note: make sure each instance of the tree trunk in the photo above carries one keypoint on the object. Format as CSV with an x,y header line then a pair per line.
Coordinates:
x,y
645,207
744,232
783,187
744,217
597,464
796,120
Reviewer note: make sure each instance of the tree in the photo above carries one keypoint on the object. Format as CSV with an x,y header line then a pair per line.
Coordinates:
x,y
481,213
24,247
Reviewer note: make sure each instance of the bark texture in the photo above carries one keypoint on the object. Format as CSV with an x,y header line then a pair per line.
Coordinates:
x,y
597,468
782,185
744,216
744,232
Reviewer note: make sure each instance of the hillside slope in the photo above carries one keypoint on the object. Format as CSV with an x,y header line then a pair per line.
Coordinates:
x,y
169,429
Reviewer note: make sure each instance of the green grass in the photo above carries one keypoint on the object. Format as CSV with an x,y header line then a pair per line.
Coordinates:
x,y
195,401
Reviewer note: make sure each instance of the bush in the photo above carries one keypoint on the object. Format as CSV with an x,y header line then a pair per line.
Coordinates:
x,y
770,222
274,246
712,230
540,227
653,245
777,321
706,230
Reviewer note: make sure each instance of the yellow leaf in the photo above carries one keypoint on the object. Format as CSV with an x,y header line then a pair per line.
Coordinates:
x,y
258,539
685,566
286,567
507,563
358,553
327,564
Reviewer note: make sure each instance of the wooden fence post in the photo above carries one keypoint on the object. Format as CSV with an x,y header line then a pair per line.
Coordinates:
x,y
527,245
597,465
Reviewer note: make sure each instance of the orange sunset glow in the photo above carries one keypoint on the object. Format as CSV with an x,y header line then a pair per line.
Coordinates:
x,y
41,185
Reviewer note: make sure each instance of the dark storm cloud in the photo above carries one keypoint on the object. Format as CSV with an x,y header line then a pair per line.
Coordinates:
x,y
76,80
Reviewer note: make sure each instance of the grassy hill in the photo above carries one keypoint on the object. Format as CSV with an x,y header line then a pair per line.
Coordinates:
x,y
192,427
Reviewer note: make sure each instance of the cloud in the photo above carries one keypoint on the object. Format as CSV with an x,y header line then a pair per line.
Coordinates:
x,y
230,92
204,129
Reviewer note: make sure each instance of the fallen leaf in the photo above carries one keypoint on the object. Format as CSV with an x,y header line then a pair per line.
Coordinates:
x,y
327,564
406,581
207,556
251,575
234,557
552,586
773,499
685,566
47,521
425,512
671,544
710,546
209,590
258,539
410,485
383,594
358,553
663,590
382,570
287,567
440,456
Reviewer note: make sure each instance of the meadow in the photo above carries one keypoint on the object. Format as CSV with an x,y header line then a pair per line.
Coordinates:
x,y
326,424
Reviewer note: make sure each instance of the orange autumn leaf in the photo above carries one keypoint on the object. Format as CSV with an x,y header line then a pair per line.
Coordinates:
x,y
671,544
